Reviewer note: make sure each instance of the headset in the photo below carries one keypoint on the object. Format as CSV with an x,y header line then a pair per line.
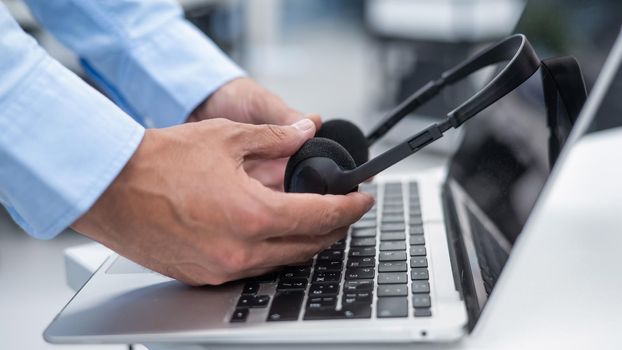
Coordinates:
x,y
335,161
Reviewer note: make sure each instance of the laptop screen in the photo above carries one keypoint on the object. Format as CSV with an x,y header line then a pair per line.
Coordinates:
x,y
500,169
504,160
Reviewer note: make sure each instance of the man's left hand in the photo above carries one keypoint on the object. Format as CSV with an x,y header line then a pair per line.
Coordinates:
x,y
244,101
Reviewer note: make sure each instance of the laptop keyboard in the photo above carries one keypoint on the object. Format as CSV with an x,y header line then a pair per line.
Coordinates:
x,y
380,269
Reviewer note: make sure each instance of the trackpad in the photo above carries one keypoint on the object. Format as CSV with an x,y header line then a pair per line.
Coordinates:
x,y
123,265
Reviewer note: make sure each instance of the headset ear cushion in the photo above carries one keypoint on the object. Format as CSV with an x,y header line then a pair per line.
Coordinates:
x,y
347,135
318,147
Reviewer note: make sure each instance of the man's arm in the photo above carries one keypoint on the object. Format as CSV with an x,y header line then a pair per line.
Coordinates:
x,y
156,62
161,70
61,142
182,205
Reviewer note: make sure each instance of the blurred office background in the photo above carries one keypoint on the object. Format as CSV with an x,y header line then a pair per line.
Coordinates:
x,y
350,59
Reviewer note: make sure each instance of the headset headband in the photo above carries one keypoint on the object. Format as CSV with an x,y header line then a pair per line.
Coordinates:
x,y
522,64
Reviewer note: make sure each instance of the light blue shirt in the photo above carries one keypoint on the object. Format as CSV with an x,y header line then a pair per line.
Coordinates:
x,y
61,142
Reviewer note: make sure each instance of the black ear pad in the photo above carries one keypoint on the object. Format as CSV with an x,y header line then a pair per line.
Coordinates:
x,y
318,147
347,135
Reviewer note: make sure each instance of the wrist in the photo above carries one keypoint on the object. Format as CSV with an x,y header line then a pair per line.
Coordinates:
x,y
95,222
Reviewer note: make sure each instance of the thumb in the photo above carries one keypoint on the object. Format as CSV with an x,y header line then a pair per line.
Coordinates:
x,y
270,141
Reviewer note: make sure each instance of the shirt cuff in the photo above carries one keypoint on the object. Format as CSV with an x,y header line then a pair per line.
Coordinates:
x,y
62,144
164,76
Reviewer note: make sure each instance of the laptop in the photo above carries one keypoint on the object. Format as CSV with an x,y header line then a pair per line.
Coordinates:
x,y
418,267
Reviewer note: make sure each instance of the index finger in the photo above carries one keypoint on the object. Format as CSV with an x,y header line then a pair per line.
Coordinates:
x,y
314,214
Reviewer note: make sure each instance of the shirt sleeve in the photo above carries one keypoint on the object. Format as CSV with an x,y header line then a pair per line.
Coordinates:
x,y
61,142
144,54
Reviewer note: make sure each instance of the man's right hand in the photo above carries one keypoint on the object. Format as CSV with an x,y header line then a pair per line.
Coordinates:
x,y
184,206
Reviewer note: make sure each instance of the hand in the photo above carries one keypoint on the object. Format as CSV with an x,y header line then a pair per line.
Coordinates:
x,y
184,206
244,101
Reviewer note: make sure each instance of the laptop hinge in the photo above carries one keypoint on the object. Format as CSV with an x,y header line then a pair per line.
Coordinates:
x,y
463,282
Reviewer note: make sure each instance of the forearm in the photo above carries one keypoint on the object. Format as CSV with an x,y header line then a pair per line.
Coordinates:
x,y
61,142
158,63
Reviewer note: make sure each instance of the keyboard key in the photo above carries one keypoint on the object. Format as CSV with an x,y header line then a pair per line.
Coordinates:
x,y
307,263
423,312
392,266
364,232
295,272
392,307
393,219
419,274
420,287
392,236
358,285
323,289
352,298
321,314
392,256
369,187
364,224
392,227
245,301
417,240
330,255
392,245
369,216
363,251
416,220
421,300
339,245
416,229
253,301
328,276
356,310
363,242
393,290
393,210
360,273
292,284
392,278
419,261
393,190
261,301
265,278
286,306
393,205
239,315
417,250
328,302
329,265
391,199
362,262
250,288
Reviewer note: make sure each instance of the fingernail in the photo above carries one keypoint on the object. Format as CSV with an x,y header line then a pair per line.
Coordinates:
x,y
371,203
304,125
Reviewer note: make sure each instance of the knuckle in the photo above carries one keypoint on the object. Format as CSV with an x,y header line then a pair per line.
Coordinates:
x,y
255,221
276,132
237,261
217,123
328,218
